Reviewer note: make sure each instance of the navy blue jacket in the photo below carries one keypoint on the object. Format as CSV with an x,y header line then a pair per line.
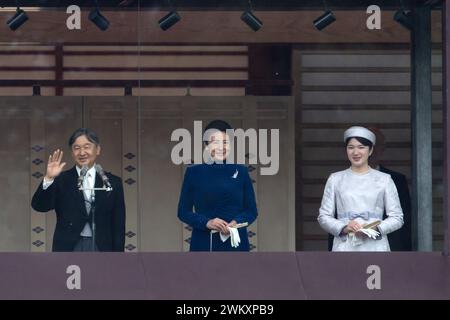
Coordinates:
x,y
222,191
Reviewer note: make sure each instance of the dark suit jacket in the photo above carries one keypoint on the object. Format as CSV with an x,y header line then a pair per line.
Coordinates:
x,y
71,216
401,239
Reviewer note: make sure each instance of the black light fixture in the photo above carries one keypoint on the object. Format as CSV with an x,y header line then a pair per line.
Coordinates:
x,y
250,19
325,19
169,20
98,19
18,19
404,17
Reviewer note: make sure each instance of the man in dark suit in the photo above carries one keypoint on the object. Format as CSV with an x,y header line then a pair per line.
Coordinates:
x,y
400,240
59,191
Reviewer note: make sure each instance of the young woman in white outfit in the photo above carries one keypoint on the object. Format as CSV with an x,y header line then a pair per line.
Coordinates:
x,y
355,199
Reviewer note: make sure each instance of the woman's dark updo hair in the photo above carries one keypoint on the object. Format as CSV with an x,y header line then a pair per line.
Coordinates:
x,y
363,141
217,125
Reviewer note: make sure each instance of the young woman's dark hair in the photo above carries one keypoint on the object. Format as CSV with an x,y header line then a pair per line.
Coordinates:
x,y
363,141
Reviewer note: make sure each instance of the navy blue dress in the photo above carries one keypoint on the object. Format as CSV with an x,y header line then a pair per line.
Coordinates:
x,y
222,191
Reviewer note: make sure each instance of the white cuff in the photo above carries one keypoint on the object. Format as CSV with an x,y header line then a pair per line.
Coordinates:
x,y
46,184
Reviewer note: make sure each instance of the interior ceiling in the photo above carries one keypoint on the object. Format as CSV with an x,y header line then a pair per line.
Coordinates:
x,y
275,5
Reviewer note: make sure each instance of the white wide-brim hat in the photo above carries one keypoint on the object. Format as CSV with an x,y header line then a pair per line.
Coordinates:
x,y
361,132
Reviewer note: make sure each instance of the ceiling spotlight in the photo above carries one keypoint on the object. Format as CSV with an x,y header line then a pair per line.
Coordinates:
x,y
169,20
324,20
251,20
18,19
404,18
98,19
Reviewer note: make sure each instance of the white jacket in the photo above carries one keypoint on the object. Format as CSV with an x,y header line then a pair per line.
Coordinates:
x,y
363,198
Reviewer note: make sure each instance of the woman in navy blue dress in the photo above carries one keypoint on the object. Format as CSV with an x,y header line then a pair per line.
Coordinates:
x,y
222,195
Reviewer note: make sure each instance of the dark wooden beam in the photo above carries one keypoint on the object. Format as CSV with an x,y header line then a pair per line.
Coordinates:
x,y
59,69
421,123
446,124
36,90
296,75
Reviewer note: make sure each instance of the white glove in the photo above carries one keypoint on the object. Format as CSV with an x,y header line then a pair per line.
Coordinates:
x,y
234,235
371,233
356,241
235,239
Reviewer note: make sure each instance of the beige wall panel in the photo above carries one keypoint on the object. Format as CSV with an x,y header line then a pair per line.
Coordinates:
x,y
211,92
144,75
15,175
41,60
27,75
349,59
365,79
94,91
146,48
168,92
23,47
160,178
276,224
15,91
370,97
273,197
160,61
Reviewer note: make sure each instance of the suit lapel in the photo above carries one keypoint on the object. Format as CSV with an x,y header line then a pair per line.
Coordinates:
x,y
99,195
78,193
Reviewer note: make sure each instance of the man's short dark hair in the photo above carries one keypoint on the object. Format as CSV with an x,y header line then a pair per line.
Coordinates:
x,y
90,135
218,125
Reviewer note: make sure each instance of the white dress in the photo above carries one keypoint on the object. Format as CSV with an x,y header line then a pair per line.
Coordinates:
x,y
363,198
